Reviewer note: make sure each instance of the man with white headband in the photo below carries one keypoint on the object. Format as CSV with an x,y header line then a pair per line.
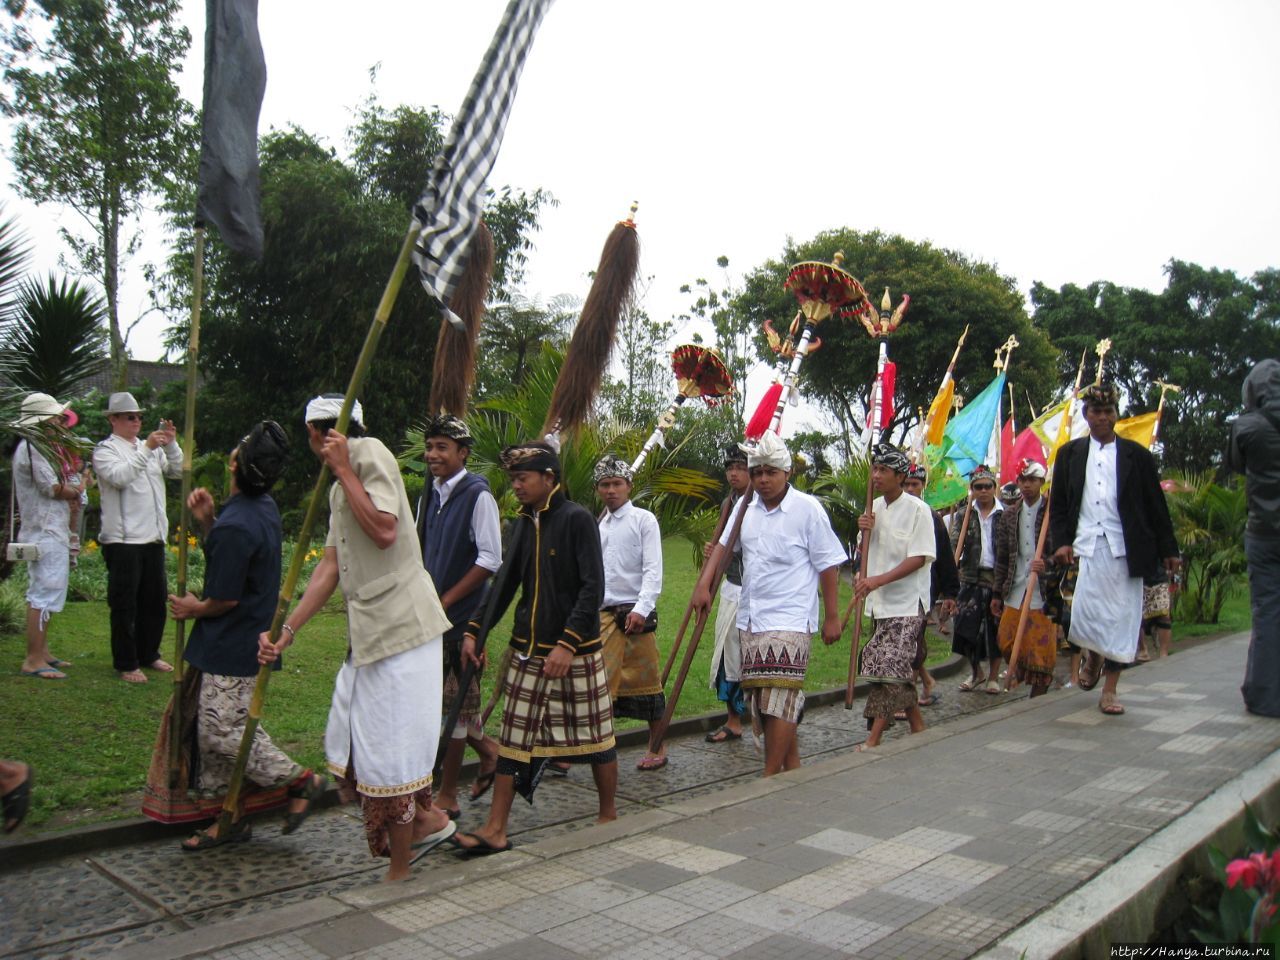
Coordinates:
x,y
384,722
1017,533
789,551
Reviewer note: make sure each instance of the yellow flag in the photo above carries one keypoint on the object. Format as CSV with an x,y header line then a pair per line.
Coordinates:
x,y
939,411
1140,428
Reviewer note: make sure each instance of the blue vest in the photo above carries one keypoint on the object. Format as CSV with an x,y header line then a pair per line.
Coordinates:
x,y
448,550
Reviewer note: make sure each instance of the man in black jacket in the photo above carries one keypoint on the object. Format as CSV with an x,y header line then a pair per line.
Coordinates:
x,y
1108,510
944,584
557,703
1255,452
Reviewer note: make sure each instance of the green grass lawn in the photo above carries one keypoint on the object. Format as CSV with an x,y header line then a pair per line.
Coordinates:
x,y
90,737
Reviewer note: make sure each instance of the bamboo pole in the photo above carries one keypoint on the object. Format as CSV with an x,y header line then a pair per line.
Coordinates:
x,y
376,327
659,732
688,610
184,526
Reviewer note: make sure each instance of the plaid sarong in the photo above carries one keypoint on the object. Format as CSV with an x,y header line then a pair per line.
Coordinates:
x,y
568,718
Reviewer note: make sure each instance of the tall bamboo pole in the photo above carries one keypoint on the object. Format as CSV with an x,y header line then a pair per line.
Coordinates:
x,y
688,610
378,325
184,526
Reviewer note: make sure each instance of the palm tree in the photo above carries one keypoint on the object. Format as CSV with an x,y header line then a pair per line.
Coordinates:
x,y
1208,521
54,336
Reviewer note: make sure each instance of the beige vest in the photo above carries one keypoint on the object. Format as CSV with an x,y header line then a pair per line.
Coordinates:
x,y
391,603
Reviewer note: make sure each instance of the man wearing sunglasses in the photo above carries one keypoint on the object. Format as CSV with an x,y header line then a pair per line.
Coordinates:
x,y
131,474
975,634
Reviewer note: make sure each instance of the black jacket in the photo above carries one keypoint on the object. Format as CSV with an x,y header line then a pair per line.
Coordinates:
x,y
1255,449
944,578
558,566
1144,515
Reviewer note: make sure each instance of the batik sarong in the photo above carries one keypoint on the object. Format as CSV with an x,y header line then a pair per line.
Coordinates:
x,y
631,664
773,668
973,631
1039,652
469,717
886,663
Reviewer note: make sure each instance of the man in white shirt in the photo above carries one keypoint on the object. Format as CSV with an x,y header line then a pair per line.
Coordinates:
x,y
789,552
900,546
632,547
974,632
461,541
1016,537
135,525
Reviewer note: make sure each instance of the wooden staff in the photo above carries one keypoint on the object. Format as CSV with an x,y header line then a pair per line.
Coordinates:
x,y
688,610
659,732
964,527
379,324
184,526
1155,427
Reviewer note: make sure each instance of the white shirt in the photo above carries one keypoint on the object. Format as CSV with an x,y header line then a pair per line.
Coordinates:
x,y
987,526
783,552
1099,503
486,531
1021,564
131,488
903,529
44,519
632,546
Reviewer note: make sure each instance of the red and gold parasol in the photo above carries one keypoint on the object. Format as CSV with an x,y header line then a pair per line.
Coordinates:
x,y
701,372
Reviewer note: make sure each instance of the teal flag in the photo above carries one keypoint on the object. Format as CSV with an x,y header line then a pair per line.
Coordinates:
x,y
968,435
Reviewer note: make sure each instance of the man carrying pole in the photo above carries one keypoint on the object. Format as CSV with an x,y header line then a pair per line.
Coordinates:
x,y
789,553
726,660
384,722
944,584
900,544
974,630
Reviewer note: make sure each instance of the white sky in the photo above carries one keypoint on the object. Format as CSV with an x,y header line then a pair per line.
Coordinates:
x,y
1064,142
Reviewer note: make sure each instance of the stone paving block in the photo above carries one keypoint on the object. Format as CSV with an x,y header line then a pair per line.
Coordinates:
x,y
994,849
530,948
789,946
1048,820
477,933
598,861
963,868
715,935
112,944
1128,779
685,769
771,911
1185,696
406,948
1174,723
1072,744
656,913
803,859
843,842
488,893
913,946
287,947
890,909
822,890
660,948
421,914
649,877
1088,717
599,893
1076,865
1011,746
953,923
710,892
594,935
929,887
890,853
699,860
543,913
755,875
545,877
1162,805
842,931
350,933
929,838
650,847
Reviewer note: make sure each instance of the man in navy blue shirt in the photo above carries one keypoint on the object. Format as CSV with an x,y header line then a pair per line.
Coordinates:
x,y
241,585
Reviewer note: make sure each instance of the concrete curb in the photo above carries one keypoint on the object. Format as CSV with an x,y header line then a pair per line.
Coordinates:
x,y
83,841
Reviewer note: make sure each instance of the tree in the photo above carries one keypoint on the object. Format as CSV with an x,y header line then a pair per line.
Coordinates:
x,y
55,337
1205,331
643,351
101,125
948,290
512,333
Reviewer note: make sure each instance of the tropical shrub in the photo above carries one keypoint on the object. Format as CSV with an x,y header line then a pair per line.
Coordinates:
x,y
1208,521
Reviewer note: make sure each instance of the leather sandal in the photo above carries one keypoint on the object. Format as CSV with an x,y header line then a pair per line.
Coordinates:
x,y
240,831
311,792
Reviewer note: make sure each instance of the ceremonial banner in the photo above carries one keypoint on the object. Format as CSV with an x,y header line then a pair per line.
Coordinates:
x,y
968,435
450,206
939,411
887,381
1140,429
235,76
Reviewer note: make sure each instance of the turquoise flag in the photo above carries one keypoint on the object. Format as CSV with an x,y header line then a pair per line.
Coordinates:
x,y
969,433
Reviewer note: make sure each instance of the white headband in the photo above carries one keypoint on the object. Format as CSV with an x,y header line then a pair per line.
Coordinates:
x,y
768,451
328,408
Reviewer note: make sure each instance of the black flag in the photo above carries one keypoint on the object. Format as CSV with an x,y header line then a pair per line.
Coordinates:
x,y
235,75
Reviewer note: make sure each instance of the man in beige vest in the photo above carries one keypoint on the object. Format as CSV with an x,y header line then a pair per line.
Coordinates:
x,y
384,722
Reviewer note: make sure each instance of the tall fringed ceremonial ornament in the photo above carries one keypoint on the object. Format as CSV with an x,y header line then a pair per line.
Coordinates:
x,y
587,358
1064,434
453,369
438,239
823,290
885,324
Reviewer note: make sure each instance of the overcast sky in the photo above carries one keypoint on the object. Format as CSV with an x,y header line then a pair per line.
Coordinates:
x,y
1064,142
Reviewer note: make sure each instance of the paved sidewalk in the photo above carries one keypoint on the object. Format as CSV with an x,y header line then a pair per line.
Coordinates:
x,y
932,846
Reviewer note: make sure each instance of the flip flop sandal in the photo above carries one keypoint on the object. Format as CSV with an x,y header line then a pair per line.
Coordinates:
x,y
240,831
651,763
311,792
992,687
17,802
969,686
58,664
1110,707
482,783
930,700
482,848
45,673
431,841
715,736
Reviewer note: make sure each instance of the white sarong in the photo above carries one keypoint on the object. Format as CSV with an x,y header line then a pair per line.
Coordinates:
x,y
1106,612
385,721
727,645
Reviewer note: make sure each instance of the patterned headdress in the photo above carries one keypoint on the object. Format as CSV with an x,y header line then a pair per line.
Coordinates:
x,y
448,426
733,453
535,456
887,455
1009,493
1031,468
1101,395
917,471
982,472
609,467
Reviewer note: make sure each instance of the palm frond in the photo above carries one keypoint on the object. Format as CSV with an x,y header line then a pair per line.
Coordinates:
x,y
56,336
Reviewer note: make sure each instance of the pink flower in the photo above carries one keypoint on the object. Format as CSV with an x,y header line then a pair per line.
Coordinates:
x,y
1243,872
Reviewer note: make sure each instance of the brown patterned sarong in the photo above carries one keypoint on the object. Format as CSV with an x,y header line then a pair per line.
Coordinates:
x,y
887,663
886,699
469,717
773,668
568,718
380,813
631,664
1039,651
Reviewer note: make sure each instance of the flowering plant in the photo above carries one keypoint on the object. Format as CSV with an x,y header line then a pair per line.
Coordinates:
x,y
1247,907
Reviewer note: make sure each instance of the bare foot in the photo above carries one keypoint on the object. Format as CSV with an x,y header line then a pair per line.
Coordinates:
x,y
160,666
133,676
607,817
396,876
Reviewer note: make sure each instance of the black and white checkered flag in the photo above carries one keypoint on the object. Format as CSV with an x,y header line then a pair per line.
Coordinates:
x,y
450,206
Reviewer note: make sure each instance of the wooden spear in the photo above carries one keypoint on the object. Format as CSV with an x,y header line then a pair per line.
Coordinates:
x,y
184,526
688,610
379,324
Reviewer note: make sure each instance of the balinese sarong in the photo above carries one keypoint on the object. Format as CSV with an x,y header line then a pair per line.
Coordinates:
x,y
184,803
1106,612
1039,651
631,664
973,631
726,659
380,813
773,669
223,712
1155,607
469,718
886,663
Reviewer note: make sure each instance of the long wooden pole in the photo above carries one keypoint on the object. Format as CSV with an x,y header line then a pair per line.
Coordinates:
x,y
184,526
876,402
688,610
659,732
376,327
